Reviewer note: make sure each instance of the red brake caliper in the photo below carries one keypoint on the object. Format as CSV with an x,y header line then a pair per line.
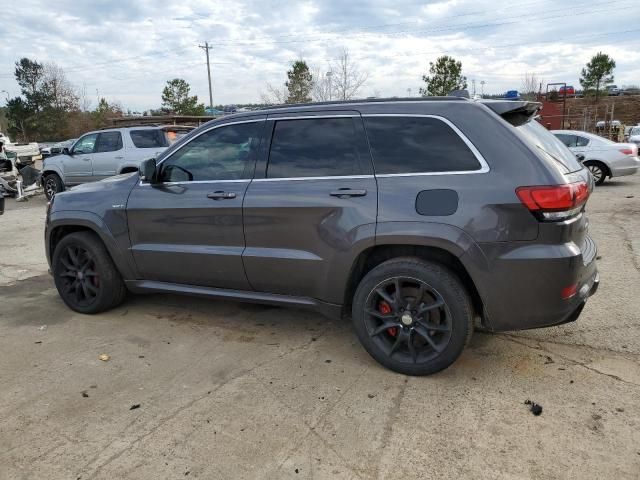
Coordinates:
x,y
385,309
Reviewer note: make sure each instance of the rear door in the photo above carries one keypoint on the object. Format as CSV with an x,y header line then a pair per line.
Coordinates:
x,y
311,207
187,228
77,166
108,154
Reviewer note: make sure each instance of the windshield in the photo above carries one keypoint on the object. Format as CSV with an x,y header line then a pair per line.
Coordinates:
x,y
543,141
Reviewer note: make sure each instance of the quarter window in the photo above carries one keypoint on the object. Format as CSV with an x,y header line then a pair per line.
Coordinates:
x,y
417,145
312,147
109,142
582,141
224,153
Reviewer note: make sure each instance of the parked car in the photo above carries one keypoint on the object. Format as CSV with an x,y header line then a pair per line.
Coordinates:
x,y
104,153
602,157
25,153
634,135
569,91
413,217
58,148
631,90
613,90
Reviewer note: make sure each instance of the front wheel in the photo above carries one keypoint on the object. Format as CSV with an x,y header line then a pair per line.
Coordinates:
x,y
85,275
412,316
52,184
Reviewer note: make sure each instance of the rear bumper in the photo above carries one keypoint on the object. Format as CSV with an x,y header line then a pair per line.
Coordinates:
x,y
629,167
522,286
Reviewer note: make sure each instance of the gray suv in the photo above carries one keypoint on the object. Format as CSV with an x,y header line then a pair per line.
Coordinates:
x,y
416,218
104,153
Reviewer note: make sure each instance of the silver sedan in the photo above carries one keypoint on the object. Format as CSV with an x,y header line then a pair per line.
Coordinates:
x,y
602,157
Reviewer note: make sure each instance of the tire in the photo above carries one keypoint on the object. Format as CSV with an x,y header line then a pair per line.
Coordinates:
x,y
52,184
428,337
85,275
599,171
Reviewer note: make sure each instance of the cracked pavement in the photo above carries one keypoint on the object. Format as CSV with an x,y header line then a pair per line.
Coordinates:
x,y
229,390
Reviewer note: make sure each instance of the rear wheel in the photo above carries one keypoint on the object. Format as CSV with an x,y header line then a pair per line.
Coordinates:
x,y
598,170
412,316
52,184
85,276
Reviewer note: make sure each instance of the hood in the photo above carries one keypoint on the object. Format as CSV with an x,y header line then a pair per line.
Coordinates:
x,y
97,197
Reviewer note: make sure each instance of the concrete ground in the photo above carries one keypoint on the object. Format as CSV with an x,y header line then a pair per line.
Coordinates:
x,y
227,390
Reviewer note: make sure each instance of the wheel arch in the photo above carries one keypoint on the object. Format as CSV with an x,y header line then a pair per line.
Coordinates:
x,y
59,227
601,162
373,256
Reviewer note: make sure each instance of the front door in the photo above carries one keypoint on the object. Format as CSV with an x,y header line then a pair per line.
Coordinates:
x,y
77,166
314,208
187,228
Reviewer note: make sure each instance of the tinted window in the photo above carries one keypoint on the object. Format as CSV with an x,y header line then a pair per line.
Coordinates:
x,y
417,144
109,142
314,148
544,142
86,144
149,138
224,153
568,140
582,141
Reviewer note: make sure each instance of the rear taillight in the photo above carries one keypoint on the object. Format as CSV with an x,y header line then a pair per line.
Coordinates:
x,y
554,202
627,151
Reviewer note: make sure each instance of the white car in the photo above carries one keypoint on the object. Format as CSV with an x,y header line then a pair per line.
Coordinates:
x,y
602,157
634,135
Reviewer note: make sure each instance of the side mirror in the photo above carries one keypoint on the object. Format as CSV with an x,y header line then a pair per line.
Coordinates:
x,y
66,151
580,157
148,170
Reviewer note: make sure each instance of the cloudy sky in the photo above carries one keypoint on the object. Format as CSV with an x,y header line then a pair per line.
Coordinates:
x,y
126,50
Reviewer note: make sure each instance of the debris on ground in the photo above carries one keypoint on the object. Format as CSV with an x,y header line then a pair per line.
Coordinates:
x,y
327,361
548,360
42,328
38,342
104,357
534,407
135,406
371,395
629,196
619,409
85,394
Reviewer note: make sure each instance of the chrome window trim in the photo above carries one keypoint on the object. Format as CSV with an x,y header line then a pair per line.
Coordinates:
x,y
311,178
186,182
484,166
306,117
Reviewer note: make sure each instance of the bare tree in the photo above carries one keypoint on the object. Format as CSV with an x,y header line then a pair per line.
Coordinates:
x,y
346,79
63,93
321,91
530,85
274,95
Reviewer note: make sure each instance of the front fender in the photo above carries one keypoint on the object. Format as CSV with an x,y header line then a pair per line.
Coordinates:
x,y
53,169
77,218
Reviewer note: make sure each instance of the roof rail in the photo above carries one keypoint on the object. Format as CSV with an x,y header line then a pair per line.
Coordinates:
x,y
366,100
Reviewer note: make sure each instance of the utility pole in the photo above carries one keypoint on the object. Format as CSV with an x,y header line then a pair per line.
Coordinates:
x,y
206,48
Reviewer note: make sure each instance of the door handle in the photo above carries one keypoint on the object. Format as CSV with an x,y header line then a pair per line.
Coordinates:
x,y
221,195
348,192
118,158
86,159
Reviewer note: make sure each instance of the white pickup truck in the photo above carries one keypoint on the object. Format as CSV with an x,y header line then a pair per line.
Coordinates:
x,y
25,153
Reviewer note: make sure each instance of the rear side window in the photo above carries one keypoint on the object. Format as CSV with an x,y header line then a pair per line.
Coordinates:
x,y
417,145
320,147
544,142
568,140
109,142
149,138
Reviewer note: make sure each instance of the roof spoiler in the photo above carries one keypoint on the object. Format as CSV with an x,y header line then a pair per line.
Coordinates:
x,y
516,112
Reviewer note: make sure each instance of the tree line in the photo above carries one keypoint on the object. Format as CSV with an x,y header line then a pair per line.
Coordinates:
x,y
50,107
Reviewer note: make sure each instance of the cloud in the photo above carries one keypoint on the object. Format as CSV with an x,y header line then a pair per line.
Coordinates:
x,y
126,51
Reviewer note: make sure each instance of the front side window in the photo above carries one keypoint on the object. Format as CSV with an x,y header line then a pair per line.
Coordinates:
x,y
417,145
86,144
108,142
224,153
314,147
